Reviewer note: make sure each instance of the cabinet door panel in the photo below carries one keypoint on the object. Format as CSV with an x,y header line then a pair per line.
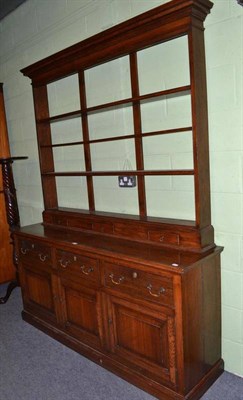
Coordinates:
x,y
81,308
143,339
38,292
142,335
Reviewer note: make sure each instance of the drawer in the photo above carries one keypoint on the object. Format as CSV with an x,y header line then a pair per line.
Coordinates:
x,y
59,220
34,251
134,282
163,237
76,265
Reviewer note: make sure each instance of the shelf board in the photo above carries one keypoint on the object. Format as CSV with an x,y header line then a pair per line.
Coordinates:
x,y
122,172
122,137
100,107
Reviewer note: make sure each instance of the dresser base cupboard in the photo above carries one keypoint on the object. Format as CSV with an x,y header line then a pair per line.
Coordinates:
x,y
150,315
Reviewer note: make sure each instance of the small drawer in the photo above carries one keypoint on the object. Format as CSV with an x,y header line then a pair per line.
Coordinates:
x,y
138,283
72,264
103,227
59,220
76,223
34,251
162,237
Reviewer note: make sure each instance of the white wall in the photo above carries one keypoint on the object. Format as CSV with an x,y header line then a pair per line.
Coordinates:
x,y
224,52
40,28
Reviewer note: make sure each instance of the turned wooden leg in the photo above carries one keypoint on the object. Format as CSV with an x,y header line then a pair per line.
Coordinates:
x,y
12,285
12,214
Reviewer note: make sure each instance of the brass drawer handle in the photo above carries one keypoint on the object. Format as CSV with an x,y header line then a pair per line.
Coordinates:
x,y
118,282
23,250
63,263
161,291
86,271
42,257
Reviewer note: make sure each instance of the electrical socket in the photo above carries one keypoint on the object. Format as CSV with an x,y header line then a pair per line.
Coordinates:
x,y
125,181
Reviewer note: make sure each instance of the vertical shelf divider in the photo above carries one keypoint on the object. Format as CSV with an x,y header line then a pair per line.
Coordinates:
x,y
138,134
87,155
45,153
200,127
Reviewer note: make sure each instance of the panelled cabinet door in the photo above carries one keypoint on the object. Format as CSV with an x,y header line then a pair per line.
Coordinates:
x,y
39,292
143,339
81,312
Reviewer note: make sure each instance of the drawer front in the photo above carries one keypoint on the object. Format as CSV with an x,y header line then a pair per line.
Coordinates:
x,y
168,238
72,264
154,288
34,251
